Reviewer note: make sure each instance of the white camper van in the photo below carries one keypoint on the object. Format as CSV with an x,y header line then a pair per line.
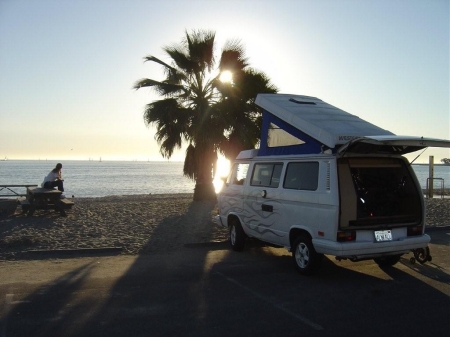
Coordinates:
x,y
325,182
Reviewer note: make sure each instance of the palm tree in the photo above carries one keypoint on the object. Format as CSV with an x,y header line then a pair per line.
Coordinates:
x,y
197,108
237,110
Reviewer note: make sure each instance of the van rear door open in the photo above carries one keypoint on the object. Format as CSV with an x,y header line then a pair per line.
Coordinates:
x,y
377,189
390,145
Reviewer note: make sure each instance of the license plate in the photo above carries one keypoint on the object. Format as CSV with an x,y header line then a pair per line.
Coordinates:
x,y
381,236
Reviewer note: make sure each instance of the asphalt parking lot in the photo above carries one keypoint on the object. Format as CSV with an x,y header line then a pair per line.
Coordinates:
x,y
208,290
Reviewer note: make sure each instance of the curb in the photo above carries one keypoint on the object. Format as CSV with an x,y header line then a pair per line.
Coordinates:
x,y
211,244
82,252
437,228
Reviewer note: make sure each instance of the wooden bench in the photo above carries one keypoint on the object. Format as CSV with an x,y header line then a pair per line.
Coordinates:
x,y
7,207
64,203
67,203
25,204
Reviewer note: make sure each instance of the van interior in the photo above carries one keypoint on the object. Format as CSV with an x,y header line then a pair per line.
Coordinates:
x,y
377,192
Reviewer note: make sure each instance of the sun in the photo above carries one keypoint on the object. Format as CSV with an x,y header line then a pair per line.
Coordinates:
x,y
226,76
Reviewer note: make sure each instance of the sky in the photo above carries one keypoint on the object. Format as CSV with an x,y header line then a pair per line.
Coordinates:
x,y
67,68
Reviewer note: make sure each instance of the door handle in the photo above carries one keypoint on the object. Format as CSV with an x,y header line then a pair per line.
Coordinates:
x,y
267,208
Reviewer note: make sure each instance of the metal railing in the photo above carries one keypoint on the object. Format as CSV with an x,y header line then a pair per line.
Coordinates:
x,y
430,188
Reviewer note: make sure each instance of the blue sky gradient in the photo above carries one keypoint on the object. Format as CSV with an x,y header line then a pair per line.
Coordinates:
x,y
67,67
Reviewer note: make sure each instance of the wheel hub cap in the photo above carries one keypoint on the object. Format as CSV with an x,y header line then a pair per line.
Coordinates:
x,y
302,255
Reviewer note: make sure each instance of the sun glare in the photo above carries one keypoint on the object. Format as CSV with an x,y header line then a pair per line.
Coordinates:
x,y
223,167
226,76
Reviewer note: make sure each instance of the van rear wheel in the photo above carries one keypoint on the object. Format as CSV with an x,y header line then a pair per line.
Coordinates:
x,y
306,259
237,236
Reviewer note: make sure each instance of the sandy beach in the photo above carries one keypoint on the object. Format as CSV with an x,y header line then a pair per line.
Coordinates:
x,y
138,224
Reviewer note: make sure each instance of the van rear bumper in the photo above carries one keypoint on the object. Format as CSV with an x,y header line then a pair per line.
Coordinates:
x,y
370,249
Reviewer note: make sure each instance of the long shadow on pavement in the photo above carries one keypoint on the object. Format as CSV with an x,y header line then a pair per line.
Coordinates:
x,y
203,289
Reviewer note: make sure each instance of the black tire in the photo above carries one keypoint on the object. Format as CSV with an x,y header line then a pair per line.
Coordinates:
x,y
237,236
306,259
422,254
387,261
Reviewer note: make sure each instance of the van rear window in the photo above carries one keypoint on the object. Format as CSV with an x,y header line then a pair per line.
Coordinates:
x,y
302,176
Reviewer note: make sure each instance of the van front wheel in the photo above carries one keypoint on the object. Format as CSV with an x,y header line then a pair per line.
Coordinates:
x,y
237,236
306,259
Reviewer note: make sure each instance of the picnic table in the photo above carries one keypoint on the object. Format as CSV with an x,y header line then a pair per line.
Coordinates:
x,y
44,198
11,190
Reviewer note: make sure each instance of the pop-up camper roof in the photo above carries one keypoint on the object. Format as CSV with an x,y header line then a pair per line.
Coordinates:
x,y
301,124
295,124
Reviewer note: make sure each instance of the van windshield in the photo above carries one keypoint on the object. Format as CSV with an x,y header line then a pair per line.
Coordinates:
x,y
238,174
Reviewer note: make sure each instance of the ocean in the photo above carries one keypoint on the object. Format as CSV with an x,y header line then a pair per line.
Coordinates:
x,y
441,175
99,179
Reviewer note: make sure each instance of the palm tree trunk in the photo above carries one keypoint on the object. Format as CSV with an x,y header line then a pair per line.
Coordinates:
x,y
204,188
204,191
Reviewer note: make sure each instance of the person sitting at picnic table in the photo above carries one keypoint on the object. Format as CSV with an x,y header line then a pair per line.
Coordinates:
x,y
54,179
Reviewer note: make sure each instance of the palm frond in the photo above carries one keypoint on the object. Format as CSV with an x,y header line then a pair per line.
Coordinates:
x,y
190,163
200,45
145,82
168,146
172,74
180,58
154,59
233,57
162,88
254,82
166,111
170,120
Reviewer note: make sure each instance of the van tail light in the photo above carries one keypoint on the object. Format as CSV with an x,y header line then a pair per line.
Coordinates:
x,y
414,230
346,236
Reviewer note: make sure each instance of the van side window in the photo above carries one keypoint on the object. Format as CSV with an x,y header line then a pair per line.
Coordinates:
x,y
302,176
266,175
238,174
277,137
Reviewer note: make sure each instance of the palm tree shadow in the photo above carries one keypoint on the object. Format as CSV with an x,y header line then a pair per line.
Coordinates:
x,y
193,227
20,223
208,292
192,294
51,305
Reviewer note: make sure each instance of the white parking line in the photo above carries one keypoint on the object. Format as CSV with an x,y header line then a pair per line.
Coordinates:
x,y
8,304
276,305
